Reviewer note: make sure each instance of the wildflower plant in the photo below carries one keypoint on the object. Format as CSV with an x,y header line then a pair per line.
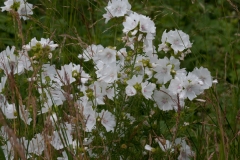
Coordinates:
x,y
114,109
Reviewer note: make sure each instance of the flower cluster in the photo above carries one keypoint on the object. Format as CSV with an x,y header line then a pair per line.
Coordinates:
x,y
118,75
178,41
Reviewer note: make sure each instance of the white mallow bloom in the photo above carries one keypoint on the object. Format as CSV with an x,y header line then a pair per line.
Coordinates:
x,y
24,62
149,148
108,73
165,145
64,76
9,62
89,117
83,75
178,40
107,16
3,82
163,70
107,120
62,137
8,4
148,46
176,84
53,95
130,90
108,89
43,42
91,52
107,56
147,89
135,79
163,46
8,149
146,25
48,71
131,22
174,62
166,100
205,76
99,93
36,145
117,8
8,110
23,8
192,87
185,150
121,54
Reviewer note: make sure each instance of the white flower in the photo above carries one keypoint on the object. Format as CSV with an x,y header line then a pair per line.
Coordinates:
x,y
43,42
130,90
185,150
107,120
146,25
36,145
118,8
135,80
89,117
9,110
107,16
148,46
91,51
165,145
174,62
176,84
83,75
163,46
131,22
64,76
8,149
147,89
98,93
165,100
204,75
2,84
62,137
192,87
48,72
25,10
215,81
149,148
8,4
107,55
10,62
121,54
178,40
163,70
